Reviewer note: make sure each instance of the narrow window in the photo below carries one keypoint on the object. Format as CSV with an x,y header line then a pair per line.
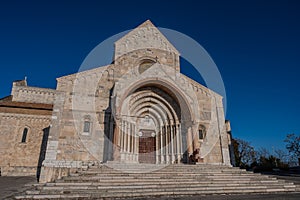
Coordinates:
x,y
25,131
86,127
201,132
201,136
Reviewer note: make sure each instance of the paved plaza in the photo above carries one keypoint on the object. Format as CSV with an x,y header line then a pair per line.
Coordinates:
x,y
10,185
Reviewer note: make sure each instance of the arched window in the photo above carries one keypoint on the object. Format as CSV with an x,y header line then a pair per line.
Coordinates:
x,y
87,124
201,132
24,135
145,64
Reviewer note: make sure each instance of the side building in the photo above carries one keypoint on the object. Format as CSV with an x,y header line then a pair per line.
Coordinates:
x,y
25,118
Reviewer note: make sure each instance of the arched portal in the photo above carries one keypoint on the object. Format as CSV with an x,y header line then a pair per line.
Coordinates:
x,y
152,126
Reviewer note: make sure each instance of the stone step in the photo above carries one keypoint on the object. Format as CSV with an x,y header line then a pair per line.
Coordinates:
x,y
136,194
171,177
159,186
142,182
163,182
157,181
139,166
155,191
168,168
168,176
119,180
150,193
165,168
174,172
173,167
165,172
160,179
98,178
105,181
109,170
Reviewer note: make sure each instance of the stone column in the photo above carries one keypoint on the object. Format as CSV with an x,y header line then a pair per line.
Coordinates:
x,y
189,141
195,138
121,136
118,125
178,143
162,160
128,141
167,144
156,149
133,142
175,141
137,143
125,139
172,143
116,143
122,139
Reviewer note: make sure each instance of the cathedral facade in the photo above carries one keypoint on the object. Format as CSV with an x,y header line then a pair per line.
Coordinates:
x,y
139,109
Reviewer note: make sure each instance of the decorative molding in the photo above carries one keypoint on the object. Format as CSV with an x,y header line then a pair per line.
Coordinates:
x,y
8,116
144,36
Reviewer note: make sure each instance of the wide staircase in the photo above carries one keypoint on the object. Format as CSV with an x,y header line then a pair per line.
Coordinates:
x,y
113,180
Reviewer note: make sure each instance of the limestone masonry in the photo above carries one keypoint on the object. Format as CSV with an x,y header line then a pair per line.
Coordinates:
x,y
139,109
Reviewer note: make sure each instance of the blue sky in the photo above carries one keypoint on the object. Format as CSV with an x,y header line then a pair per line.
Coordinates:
x,y
255,45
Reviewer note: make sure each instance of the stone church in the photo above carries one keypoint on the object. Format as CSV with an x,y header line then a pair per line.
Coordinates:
x,y
138,109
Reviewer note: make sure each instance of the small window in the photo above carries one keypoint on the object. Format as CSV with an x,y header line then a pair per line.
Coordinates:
x,y
86,127
201,132
145,64
201,136
24,136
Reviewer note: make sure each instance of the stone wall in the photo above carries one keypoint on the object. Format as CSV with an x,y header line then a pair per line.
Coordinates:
x,y
24,93
21,158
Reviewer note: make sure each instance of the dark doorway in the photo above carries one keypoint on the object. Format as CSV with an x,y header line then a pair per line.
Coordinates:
x,y
147,147
43,149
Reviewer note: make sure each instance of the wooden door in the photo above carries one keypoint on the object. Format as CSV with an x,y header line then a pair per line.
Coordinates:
x,y
147,147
